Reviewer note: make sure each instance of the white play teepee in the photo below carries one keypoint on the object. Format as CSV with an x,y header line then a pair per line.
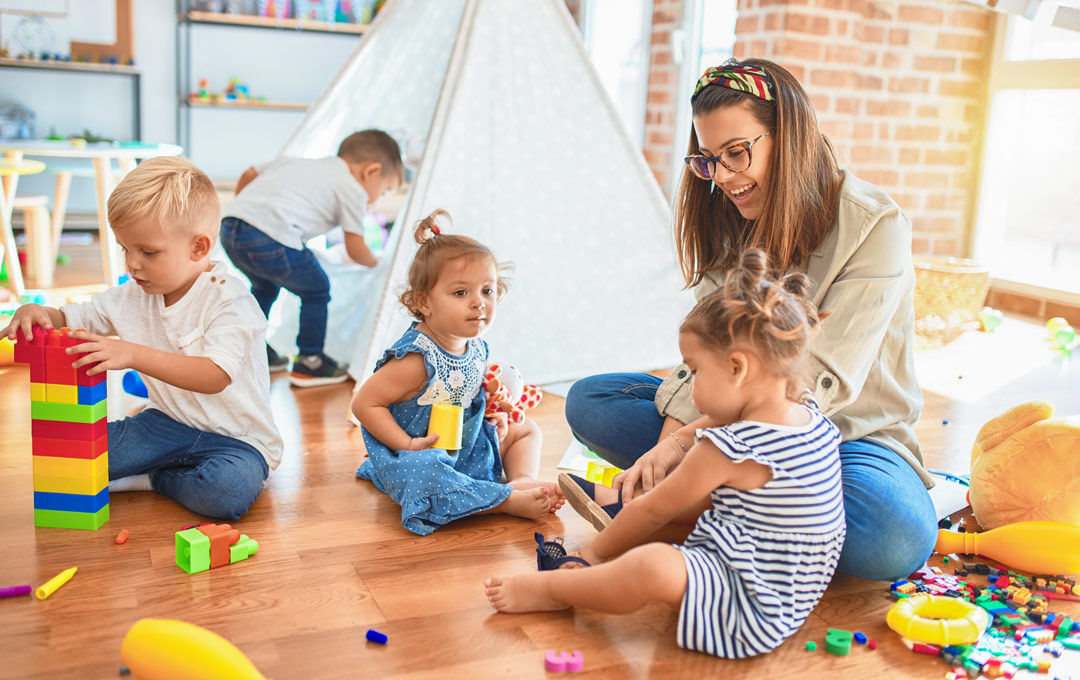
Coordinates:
x,y
523,148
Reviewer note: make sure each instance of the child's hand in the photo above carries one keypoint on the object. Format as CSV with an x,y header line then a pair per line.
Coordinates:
x,y
421,443
26,317
109,353
501,421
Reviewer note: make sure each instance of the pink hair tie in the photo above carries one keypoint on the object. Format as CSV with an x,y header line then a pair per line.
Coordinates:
x,y
435,229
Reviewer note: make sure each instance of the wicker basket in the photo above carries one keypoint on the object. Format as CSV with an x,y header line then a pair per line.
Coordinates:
x,y
949,294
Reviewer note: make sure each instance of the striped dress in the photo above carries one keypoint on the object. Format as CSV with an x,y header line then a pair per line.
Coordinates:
x,y
758,562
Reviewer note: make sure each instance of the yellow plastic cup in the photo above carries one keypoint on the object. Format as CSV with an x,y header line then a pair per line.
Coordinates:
x,y
447,421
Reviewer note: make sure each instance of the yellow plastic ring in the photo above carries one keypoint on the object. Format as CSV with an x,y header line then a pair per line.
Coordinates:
x,y
938,620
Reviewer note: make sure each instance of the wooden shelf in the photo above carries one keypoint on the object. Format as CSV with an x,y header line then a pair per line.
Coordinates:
x,y
273,22
246,104
79,66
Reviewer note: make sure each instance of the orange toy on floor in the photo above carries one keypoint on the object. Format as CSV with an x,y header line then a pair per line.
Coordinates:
x,y
1025,466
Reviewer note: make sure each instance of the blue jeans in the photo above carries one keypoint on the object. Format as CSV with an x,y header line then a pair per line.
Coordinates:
x,y
208,473
270,267
891,522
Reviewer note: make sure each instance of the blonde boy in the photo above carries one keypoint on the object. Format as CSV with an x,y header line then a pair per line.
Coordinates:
x,y
206,439
279,206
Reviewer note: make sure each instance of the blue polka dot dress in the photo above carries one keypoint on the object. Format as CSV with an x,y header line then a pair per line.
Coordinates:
x,y
758,561
432,486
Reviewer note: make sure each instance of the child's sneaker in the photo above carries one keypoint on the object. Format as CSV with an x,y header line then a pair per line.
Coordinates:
x,y
275,361
310,370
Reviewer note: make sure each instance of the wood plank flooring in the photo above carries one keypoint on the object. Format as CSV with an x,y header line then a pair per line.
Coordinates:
x,y
334,561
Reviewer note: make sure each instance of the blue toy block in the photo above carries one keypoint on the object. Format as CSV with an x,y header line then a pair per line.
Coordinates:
x,y
90,395
71,502
860,638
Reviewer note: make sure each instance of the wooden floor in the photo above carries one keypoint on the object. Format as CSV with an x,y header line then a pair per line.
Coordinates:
x,y
334,561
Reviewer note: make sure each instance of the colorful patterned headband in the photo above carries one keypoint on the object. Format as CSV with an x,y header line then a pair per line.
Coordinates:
x,y
733,75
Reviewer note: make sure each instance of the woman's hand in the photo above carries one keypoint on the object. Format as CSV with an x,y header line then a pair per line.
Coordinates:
x,y
110,354
649,470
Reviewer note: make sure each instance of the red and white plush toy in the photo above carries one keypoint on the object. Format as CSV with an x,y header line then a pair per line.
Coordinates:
x,y
507,392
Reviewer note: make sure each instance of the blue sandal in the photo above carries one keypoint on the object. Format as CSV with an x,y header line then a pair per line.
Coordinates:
x,y
581,494
551,555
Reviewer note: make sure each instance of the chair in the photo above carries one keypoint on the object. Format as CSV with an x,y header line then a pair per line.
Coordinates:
x,y
10,169
40,241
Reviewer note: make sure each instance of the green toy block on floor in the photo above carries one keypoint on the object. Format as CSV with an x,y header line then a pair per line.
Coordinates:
x,y
62,519
192,550
242,549
838,641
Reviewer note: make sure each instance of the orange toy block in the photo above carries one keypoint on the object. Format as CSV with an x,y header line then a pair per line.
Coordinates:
x,y
221,537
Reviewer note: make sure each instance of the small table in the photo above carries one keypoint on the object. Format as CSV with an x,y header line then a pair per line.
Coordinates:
x,y
10,171
102,155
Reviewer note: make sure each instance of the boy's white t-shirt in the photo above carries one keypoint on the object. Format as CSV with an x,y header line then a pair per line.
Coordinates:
x,y
218,319
293,200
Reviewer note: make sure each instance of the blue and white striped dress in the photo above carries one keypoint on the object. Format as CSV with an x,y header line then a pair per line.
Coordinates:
x,y
758,562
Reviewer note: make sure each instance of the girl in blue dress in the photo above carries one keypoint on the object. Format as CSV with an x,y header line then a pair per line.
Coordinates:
x,y
761,483
454,285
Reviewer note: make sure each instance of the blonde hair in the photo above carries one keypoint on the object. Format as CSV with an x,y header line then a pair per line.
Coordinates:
x,y
374,146
437,249
771,314
171,190
802,195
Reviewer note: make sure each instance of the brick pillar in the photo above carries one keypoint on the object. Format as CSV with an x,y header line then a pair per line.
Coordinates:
x,y
899,88
661,93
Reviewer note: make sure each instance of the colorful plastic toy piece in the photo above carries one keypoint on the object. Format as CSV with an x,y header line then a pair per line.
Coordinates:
x,y
860,638
375,636
989,319
838,642
811,646
211,545
55,582
161,649
601,473
937,620
563,662
122,537
16,591
1041,547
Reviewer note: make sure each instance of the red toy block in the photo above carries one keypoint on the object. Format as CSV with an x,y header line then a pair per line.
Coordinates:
x,y
56,429
84,380
30,350
69,448
221,537
37,369
60,374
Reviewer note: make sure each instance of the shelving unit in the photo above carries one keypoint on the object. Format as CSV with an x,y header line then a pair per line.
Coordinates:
x,y
189,104
121,70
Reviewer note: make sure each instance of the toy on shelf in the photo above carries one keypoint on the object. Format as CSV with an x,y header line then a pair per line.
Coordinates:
x,y
162,649
1024,466
69,433
937,620
1044,547
237,92
1061,333
989,319
209,546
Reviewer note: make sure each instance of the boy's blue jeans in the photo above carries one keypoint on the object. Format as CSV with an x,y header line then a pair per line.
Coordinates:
x,y
208,473
891,522
270,267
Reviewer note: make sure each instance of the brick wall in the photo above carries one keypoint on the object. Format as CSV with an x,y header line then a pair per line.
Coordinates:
x,y
898,86
661,94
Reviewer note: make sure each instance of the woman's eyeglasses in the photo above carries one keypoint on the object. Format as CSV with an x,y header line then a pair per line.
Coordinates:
x,y
735,158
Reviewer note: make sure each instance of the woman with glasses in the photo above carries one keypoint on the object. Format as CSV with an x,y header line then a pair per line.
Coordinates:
x,y
760,173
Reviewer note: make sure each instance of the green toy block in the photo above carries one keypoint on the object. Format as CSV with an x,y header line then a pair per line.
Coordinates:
x,y
192,550
1070,643
1064,627
838,641
811,646
242,549
62,519
67,413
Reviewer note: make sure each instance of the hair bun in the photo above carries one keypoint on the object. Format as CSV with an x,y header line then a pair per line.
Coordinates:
x,y
428,228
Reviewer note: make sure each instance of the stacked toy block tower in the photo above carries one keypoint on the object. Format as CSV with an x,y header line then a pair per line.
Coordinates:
x,y
70,436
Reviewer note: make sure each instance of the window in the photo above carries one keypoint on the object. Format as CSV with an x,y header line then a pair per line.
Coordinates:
x,y
1028,227
617,35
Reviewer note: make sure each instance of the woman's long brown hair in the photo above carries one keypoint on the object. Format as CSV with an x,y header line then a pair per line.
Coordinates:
x,y
801,196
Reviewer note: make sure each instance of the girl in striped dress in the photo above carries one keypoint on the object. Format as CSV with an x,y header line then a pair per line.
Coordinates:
x,y
762,482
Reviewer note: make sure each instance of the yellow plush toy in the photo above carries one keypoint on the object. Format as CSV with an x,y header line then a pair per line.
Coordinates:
x,y
1025,466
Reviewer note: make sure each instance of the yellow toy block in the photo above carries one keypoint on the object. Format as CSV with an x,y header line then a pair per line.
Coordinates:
x,y
37,391
60,394
86,486
55,466
601,473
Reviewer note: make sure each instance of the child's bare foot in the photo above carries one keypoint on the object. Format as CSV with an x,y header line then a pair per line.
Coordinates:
x,y
555,492
521,593
528,503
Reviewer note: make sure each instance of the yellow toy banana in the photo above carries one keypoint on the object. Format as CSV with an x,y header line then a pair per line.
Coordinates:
x,y
160,649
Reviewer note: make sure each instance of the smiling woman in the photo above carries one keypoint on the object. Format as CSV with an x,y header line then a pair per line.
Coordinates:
x,y
760,173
